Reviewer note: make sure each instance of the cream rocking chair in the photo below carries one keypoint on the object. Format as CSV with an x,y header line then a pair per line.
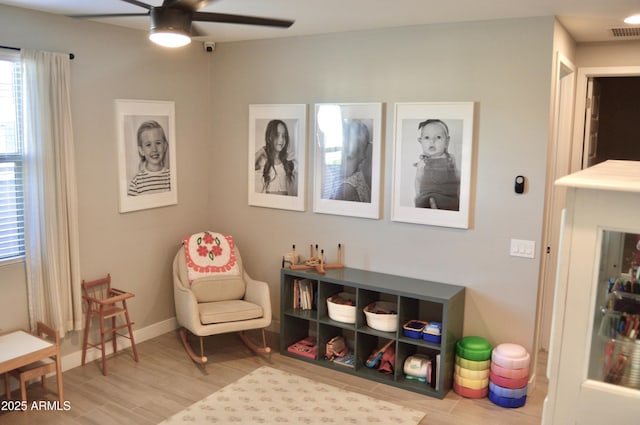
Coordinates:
x,y
213,300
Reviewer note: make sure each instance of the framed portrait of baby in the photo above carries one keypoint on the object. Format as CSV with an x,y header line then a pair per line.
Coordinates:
x,y
277,156
146,154
348,143
432,163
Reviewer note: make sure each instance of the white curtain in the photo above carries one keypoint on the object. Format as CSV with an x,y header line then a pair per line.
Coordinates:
x,y
51,218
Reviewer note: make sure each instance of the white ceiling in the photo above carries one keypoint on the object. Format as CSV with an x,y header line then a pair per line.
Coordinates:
x,y
586,20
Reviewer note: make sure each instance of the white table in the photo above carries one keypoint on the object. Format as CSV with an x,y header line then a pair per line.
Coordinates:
x,y
20,348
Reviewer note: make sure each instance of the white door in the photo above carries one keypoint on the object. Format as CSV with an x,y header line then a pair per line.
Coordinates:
x,y
559,165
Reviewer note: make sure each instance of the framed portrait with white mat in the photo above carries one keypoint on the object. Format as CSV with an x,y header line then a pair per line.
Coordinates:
x,y
277,156
348,145
146,154
433,150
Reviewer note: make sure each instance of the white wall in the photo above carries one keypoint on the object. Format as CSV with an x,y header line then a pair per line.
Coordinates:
x,y
137,247
625,53
13,302
503,66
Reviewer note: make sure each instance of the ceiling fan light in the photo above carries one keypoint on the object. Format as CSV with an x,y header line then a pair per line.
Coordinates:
x,y
167,38
170,27
633,19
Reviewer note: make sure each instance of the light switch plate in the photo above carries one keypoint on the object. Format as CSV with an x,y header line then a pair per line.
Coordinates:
x,y
522,248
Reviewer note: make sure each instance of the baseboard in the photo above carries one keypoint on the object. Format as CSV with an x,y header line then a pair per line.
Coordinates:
x,y
532,383
73,360
274,327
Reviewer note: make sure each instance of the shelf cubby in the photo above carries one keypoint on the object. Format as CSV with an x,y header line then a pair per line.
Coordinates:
x,y
414,299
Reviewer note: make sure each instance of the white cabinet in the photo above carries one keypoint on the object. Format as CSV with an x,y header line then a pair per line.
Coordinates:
x,y
594,361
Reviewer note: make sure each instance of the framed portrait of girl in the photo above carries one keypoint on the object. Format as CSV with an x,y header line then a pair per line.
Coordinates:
x,y
146,154
277,156
348,145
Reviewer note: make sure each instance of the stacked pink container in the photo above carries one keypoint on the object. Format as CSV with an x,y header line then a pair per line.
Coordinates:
x,y
509,375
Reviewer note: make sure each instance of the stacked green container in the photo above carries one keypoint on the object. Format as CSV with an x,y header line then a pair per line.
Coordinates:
x,y
473,365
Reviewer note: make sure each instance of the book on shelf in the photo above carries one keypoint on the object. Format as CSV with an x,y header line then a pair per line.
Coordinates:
x,y
347,360
306,347
436,366
303,294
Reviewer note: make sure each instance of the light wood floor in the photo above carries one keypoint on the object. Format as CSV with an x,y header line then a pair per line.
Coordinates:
x,y
165,381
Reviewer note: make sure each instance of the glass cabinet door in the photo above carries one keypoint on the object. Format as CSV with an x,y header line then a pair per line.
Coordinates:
x,y
615,343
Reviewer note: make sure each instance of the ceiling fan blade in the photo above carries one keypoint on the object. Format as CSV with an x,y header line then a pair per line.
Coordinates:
x,y
240,19
196,31
109,15
186,4
138,3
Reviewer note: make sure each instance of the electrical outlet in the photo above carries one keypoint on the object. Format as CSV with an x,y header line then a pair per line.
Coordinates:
x,y
522,248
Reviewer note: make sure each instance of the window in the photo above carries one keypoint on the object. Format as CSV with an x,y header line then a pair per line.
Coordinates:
x,y
11,191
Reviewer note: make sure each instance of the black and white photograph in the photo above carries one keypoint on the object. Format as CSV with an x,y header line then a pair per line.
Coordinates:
x,y
277,156
146,153
432,160
276,166
347,159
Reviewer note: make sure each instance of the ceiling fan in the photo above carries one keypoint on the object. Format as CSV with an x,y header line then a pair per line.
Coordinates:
x,y
172,23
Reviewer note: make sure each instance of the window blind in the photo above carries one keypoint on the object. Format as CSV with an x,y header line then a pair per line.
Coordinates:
x,y
11,142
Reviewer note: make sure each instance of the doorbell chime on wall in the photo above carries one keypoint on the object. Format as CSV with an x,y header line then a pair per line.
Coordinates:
x,y
519,184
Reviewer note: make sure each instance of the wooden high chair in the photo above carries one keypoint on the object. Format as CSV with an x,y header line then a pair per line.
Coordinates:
x,y
106,302
37,369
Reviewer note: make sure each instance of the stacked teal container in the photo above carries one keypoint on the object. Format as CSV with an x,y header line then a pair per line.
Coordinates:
x,y
509,375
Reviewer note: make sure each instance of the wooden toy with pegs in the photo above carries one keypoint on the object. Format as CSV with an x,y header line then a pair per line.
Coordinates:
x,y
316,260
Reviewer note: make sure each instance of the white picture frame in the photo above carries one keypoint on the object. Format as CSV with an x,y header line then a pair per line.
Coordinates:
x,y
278,182
415,199
160,188
347,175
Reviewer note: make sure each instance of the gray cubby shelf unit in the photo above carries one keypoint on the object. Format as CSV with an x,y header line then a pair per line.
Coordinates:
x,y
415,300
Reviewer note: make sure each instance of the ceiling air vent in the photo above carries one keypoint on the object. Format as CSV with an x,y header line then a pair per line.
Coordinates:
x,y
626,32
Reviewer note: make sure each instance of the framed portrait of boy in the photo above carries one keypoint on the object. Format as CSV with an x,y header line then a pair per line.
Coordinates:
x,y
146,154
432,163
348,143
277,156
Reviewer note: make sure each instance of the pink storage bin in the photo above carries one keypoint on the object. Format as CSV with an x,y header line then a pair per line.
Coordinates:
x,y
509,373
508,382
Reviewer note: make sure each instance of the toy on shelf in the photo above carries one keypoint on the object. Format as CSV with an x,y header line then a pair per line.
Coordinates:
x,y
418,367
315,261
374,358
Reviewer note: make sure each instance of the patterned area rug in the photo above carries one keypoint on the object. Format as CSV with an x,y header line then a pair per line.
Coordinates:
x,y
271,396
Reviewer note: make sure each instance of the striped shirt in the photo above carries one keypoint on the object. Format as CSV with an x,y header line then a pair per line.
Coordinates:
x,y
146,182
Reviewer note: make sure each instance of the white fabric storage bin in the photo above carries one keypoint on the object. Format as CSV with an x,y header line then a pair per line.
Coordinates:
x,y
342,312
386,322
